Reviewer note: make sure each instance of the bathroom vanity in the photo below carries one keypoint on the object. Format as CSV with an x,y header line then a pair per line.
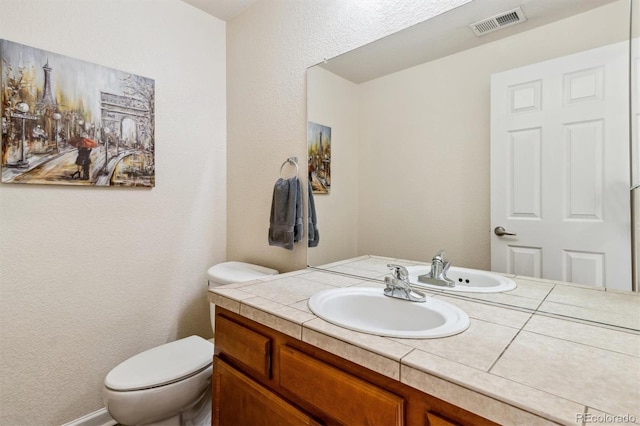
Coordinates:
x,y
277,363
262,376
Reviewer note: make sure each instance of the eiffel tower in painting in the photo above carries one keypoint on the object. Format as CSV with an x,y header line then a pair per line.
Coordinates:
x,y
46,106
47,101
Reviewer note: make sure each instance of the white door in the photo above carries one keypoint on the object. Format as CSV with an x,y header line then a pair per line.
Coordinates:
x,y
560,174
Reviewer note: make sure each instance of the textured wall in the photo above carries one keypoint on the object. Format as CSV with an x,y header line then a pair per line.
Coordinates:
x,y
269,47
92,276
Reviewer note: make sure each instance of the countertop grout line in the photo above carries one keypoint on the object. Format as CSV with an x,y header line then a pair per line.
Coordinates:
x,y
400,363
584,414
520,330
564,339
509,344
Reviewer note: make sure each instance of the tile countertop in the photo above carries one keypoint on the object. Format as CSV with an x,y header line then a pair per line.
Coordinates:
x,y
523,363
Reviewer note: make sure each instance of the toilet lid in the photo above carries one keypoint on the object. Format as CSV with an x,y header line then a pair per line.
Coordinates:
x,y
161,365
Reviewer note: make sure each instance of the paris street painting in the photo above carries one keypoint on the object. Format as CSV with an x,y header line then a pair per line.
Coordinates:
x,y
319,161
70,122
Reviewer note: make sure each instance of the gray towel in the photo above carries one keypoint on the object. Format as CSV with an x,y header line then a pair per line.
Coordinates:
x,y
298,230
314,235
285,226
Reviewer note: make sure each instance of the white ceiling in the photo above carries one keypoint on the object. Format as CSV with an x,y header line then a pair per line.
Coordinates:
x,y
222,9
446,34
436,37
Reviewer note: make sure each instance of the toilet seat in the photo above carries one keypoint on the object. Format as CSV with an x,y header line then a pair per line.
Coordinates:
x,y
162,365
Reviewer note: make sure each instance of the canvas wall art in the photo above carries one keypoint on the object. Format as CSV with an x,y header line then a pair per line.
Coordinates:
x,y
319,155
71,122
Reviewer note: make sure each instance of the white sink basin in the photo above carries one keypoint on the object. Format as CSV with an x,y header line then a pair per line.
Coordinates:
x,y
368,310
467,280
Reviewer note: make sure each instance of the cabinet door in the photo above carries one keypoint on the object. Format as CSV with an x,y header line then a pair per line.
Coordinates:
x,y
238,400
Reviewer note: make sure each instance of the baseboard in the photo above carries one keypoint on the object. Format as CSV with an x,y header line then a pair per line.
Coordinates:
x,y
97,418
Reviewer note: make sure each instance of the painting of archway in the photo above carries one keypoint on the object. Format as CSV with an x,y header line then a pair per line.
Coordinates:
x,y
70,122
134,170
129,132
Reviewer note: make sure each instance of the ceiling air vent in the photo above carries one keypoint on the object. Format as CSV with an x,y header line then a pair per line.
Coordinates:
x,y
494,23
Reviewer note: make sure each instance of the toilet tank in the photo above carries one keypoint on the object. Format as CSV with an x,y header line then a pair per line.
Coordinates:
x,y
234,272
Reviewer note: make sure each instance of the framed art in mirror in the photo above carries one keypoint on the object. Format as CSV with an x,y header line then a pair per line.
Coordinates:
x,y
319,157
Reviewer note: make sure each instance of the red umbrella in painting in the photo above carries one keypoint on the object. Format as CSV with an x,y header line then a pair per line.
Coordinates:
x,y
82,142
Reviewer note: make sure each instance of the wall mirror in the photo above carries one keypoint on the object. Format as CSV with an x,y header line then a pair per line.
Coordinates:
x,y
412,118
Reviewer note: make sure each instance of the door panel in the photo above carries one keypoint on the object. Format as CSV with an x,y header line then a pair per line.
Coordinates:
x,y
526,174
526,260
583,169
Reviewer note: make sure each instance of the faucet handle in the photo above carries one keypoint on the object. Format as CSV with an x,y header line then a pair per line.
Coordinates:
x,y
439,256
398,271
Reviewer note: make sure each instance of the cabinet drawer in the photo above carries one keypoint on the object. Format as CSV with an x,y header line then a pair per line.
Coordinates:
x,y
350,400
251,349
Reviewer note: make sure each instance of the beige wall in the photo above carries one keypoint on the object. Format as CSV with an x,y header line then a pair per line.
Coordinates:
x,y
269,48
92,276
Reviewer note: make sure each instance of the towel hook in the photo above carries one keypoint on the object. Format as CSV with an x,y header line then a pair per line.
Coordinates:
x,y
290,160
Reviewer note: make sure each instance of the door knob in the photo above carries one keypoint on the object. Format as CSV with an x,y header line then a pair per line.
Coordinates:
x,y
500,231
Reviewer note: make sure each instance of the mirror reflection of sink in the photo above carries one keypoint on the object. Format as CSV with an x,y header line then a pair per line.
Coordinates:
x,y
368,310
466,280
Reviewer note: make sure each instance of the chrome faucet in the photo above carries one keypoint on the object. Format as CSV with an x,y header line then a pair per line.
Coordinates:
x,y
398,285
438,273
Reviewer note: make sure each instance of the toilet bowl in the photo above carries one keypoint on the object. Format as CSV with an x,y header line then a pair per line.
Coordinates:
x,y
170,385
166,385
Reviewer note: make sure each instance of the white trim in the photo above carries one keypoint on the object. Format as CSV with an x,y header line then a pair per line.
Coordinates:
x,y
97,418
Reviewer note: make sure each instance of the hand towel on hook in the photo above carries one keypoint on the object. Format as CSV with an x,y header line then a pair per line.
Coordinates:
x,y
314,235
285,226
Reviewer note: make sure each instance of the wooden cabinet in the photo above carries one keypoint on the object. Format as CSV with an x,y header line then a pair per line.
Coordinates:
x,y
238,400
346,397
263,377
250,349
434,419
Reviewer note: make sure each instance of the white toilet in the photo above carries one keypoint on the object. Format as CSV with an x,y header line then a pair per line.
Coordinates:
x,y
170,385
233,272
